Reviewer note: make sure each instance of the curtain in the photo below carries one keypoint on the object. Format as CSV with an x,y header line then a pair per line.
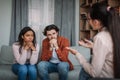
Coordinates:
x,y
41,14
65,18
19,18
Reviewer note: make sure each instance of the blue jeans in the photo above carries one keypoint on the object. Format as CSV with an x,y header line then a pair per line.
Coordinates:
x,y
84,75
25,72
45,67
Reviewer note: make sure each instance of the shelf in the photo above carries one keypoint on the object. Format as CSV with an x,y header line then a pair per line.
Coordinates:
x,y
84,34
85,29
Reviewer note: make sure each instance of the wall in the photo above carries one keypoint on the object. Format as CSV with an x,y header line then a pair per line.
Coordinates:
x,y
5,21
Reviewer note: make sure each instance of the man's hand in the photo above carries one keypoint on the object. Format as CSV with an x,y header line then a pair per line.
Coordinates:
x,y
53,43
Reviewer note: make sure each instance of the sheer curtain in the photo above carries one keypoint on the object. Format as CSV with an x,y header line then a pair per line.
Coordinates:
x,y
65,19
41,14
19,18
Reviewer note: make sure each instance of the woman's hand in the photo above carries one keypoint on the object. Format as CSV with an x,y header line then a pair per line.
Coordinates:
x,y
86,43
31,46
73,51
26,47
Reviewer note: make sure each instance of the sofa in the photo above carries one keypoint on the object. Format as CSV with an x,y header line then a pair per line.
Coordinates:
x,y
6,60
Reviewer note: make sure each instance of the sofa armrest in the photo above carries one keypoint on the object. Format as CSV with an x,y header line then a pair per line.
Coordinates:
x,y
6,55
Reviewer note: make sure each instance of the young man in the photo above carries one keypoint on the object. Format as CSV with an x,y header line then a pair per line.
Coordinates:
x,y
54,57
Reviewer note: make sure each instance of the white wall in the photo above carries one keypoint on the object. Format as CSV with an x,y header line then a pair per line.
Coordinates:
x,y
5,21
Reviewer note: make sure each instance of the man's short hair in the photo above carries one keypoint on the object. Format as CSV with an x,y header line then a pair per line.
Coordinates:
x,y
50,27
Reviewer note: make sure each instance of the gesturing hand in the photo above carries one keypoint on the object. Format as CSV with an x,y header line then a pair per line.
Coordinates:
x,y
73,51
86,43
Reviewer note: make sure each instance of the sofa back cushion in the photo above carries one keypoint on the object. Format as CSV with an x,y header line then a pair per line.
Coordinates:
x,y
84,51
6,55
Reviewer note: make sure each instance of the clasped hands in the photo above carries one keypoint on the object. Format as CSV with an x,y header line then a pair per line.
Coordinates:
x,y
84,43
53,44
29,45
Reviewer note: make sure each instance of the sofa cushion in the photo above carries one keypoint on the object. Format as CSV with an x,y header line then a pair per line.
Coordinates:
x,y
72,75
6,55
6,73
103,79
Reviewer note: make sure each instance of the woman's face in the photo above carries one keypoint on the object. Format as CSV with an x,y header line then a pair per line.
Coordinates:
x,y
28,36
95,24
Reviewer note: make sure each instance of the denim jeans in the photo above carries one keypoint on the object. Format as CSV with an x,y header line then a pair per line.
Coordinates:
x,y
84,75
45,67
25,72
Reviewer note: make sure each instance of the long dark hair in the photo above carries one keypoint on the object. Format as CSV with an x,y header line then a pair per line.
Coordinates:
x,y
22,32
111,20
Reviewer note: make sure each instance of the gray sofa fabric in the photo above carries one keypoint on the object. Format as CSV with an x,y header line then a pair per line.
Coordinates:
x,y
6,60
6,73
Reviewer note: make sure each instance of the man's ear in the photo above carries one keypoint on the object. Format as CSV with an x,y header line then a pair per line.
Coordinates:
x,y
57,33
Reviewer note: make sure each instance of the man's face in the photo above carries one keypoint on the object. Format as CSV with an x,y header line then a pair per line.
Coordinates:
x,y
52,34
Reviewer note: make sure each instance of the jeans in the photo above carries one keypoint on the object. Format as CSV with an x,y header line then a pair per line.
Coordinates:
x,y
25,71
84,75
45,67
